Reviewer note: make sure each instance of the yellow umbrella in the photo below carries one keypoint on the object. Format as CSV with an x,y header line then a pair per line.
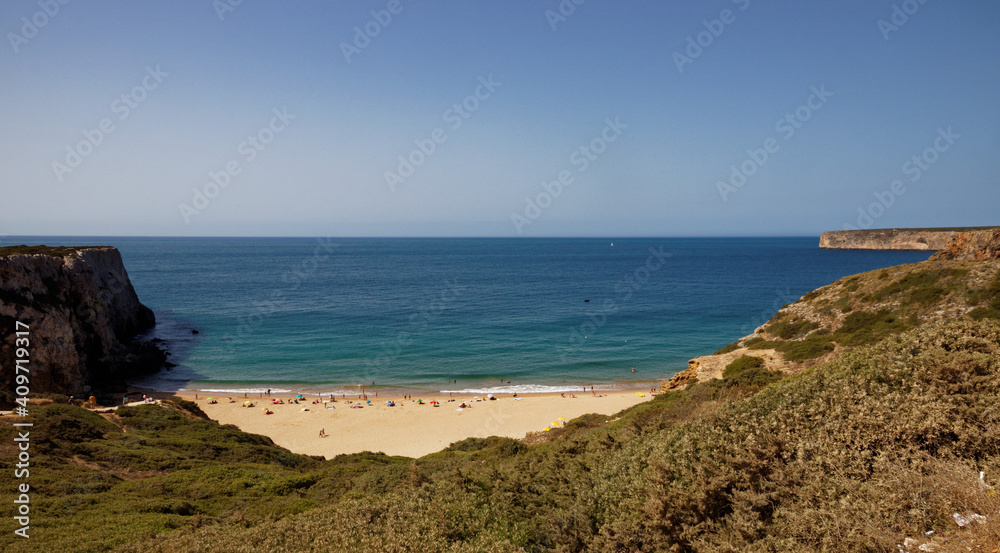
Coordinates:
x,y
555,424
640,394
546,429
562,418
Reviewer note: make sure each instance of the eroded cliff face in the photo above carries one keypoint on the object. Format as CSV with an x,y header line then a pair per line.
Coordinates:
x,y
83,315
972,245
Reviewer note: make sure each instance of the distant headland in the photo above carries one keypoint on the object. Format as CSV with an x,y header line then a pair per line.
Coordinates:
x,y
930,239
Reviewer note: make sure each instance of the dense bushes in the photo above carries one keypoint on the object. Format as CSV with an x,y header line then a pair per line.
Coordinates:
x,y
792,327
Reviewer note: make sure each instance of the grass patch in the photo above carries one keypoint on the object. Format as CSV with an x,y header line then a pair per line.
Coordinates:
x,y
741,364
981,313
726,349
809,348
923,287
790,328
865,327
748,373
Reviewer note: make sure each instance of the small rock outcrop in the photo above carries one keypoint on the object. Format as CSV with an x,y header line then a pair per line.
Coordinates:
x,y
83,316
972,246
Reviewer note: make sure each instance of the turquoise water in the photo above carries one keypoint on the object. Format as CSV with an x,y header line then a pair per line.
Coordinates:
x,y
328,315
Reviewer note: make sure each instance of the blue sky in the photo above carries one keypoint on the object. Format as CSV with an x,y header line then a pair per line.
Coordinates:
x,y
118,114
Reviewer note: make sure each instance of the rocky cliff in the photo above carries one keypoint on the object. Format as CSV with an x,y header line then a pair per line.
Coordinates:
x,y
83,316
972,245
931,239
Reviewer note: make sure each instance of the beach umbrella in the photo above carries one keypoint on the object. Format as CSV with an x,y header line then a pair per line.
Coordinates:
x,y
546,429
562,418
555,424
210,398
300,395
640,394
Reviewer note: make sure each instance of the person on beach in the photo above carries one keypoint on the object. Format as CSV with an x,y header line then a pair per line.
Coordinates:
x,y
322,432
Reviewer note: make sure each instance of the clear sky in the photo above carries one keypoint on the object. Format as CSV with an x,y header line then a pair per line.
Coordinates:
x,y
443,118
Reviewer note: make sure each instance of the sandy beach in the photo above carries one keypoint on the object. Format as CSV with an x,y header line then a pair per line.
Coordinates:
x,y
409,428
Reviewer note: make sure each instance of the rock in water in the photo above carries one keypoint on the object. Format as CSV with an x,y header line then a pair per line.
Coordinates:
x,y
83,316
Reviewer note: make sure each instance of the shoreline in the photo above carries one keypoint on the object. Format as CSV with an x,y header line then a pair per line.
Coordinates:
x,y
410,428
475,387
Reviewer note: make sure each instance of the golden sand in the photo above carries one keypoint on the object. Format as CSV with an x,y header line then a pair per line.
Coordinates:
x,y
409,428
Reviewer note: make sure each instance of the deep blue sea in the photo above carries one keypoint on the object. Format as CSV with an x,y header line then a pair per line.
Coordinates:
x,y
328,315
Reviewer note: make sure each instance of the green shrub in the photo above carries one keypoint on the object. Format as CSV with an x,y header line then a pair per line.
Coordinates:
x,y
726,349
981,313
187,406
928,296
788,329
865,327
760,343
753,378
990,297
809,348
741,364
920,286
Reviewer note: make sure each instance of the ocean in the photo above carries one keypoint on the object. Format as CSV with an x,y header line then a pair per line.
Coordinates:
x,y
470,315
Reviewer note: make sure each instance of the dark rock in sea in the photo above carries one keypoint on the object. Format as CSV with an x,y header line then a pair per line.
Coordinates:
x,y
193,331
83,316
586,301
